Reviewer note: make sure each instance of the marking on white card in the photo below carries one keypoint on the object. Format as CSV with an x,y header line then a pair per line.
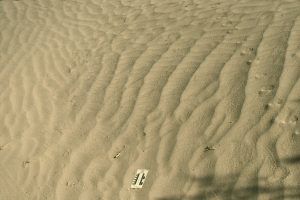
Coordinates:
x,y
139,178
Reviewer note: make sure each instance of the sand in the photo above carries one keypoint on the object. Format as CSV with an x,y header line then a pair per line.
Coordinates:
x,y
202,94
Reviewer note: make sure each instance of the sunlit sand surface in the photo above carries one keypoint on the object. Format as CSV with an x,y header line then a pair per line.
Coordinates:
x,y
203,94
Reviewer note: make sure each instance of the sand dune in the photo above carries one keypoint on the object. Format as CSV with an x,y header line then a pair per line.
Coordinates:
x,y
203,94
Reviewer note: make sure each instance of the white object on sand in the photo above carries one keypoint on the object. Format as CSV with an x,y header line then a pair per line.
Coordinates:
x,y
139,178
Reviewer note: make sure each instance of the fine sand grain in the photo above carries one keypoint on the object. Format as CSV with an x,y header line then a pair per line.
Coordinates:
x,y
203,94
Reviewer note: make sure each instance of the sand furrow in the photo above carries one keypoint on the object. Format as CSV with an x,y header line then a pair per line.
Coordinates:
x,y
167,72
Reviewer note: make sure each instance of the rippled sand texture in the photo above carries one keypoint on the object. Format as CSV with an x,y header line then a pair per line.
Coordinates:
x,y
92,90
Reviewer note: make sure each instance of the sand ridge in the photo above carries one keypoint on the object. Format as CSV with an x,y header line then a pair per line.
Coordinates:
x,y
93,90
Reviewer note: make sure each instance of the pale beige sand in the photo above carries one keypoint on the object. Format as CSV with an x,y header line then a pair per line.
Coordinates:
x,y
92,90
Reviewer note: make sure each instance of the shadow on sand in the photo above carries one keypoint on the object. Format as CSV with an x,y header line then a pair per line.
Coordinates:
x,y
224,189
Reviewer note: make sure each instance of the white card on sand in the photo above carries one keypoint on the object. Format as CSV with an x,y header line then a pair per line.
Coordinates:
x,y
139,178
